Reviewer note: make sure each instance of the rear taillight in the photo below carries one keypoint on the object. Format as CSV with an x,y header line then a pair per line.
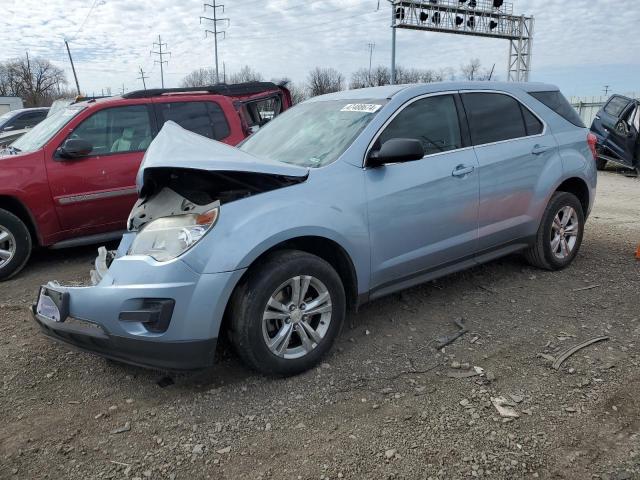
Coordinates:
x,y
592,140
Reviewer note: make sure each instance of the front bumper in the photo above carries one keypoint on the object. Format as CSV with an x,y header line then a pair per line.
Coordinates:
x,y
104,318
188,355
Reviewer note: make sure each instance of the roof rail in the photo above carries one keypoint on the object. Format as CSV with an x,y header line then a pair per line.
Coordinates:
x,y
249,88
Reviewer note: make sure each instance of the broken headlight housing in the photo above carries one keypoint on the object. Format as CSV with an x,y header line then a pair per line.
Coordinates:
x,y
169,237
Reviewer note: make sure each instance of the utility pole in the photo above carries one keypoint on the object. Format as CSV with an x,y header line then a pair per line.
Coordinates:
x,y
393,42
142,77
492,70
215,32
122,92
73,68
161,55
371,46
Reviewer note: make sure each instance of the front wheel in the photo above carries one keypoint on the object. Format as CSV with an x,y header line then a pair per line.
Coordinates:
x,y
15,244
560,233
288,313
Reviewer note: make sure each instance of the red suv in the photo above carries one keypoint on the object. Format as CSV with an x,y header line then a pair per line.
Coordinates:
x,y
71,180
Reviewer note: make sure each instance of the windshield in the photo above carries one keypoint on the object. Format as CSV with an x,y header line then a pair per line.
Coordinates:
x,y
312,134
5,117
35,138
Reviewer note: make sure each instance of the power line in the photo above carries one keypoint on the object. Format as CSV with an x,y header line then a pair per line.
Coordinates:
x,y
215,32
276,22
306,28
85,19
160,54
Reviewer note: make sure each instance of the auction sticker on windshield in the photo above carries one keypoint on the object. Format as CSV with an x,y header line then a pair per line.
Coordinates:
x,y
361,107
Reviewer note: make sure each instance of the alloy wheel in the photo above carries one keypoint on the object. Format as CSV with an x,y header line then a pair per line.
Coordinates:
x,y
564,232
7,246
297,317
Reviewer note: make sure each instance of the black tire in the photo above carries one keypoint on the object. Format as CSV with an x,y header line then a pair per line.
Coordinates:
x,y
601,163
21,240
540,253
250,299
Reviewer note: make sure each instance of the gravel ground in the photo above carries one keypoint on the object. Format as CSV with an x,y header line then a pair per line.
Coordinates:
x,y
384,403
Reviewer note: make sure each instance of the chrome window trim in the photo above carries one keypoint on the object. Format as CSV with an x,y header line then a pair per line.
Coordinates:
x,y
453,92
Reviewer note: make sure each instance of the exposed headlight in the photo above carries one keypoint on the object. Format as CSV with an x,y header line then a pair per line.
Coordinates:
x,y
169,237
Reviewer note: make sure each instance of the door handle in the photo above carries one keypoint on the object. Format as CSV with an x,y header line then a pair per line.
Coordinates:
x,y
540,149
462,170
598,117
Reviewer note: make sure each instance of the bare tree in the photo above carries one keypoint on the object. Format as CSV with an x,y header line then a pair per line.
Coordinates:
x,y
199,78
298,92
37,81
381,75
325,80
473,71
470,70
246,74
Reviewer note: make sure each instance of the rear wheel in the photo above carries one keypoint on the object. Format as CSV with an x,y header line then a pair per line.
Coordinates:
x,y
560,233
15,244
288,313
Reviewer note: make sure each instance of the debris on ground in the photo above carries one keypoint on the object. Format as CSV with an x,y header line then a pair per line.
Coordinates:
x,y
567,353
449,339
504,407
125,428
582,289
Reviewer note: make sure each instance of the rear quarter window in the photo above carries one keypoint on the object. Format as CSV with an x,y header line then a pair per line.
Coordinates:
x,y
559,104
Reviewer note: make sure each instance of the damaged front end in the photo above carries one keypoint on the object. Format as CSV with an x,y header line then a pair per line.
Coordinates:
x,y
136,309
180,200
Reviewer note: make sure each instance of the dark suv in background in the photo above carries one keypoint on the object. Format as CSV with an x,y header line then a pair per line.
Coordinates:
x,y
617,128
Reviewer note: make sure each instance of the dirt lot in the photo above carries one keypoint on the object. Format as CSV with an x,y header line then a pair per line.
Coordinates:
x,y
382,406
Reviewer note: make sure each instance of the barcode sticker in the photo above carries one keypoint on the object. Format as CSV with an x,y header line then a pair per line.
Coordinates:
x,y
361,107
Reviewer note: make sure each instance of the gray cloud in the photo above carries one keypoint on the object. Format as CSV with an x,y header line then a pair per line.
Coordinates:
x,y
290,37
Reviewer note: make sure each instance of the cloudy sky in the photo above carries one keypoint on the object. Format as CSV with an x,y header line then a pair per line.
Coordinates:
x,y
580,45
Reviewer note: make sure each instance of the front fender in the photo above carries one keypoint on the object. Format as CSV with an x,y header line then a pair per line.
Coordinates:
x,y
330,204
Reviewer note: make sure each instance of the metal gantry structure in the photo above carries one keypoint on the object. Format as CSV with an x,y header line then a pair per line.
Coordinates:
x,y
478,18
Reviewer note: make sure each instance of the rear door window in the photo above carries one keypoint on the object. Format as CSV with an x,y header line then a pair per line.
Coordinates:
x,y
432,120
559,104
616,105
532,123
493,117
204,118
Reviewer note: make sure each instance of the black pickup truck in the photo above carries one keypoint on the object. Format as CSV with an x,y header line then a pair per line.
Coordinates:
x,y
617,127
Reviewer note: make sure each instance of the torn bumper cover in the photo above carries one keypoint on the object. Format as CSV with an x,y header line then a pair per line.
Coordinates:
x,y
142,312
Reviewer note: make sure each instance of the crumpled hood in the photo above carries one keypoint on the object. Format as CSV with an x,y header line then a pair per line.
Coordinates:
x,y
176,147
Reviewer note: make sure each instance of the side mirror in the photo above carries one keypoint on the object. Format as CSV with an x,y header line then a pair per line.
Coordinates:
x,y
74,148
396,150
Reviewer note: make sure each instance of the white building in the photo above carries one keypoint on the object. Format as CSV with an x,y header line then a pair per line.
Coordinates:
x,y
10,103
